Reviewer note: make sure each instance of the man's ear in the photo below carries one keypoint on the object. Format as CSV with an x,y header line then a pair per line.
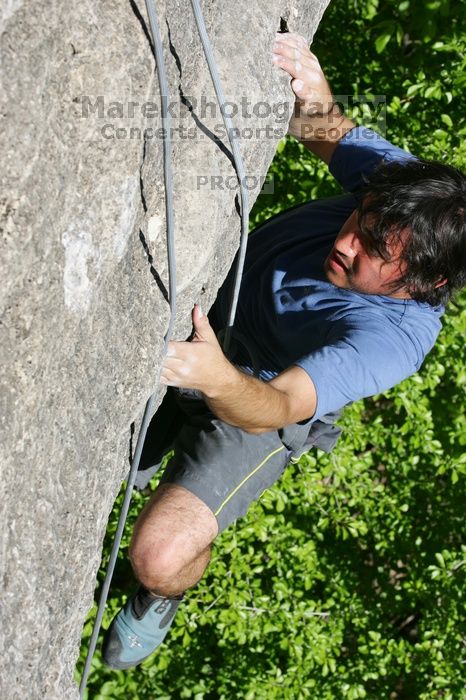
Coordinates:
x,y
440,284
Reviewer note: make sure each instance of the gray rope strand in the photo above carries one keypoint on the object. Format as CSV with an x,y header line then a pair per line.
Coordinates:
x,y
148,411
240,172
168,180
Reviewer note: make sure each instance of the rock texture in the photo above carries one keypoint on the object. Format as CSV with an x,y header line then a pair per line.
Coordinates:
x,y
83,301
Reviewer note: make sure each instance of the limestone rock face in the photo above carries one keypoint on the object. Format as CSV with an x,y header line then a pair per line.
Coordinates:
x,y
83,298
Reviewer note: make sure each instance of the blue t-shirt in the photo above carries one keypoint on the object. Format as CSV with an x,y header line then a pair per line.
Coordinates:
x,y
351,344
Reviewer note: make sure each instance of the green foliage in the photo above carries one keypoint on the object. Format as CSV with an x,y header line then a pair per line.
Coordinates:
x,y
347,579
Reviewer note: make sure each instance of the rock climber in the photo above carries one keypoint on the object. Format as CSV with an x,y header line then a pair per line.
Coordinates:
x,y
341,299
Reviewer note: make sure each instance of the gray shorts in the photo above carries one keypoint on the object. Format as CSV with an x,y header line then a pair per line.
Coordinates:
x,y
226,467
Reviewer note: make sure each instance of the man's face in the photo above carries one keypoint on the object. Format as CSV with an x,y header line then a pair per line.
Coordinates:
x,y
353,264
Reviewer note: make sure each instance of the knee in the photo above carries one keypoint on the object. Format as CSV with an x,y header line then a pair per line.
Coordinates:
x,y
172,533
155,562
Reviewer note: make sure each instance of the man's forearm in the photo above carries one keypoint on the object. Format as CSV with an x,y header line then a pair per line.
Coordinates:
x,y
248,403
234,397
321,134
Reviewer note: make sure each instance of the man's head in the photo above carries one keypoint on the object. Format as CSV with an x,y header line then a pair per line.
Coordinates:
x,y
407,239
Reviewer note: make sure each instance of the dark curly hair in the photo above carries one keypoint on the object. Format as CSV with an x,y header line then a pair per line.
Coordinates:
x,y
422,204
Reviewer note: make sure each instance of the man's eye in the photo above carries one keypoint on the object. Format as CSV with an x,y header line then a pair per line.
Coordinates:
x,y
372,250
370,247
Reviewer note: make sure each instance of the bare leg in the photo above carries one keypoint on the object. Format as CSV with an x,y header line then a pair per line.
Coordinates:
x,y
170,549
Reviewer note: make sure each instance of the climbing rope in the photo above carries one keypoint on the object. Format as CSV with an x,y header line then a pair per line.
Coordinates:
x,y
227,120
168,183
148,411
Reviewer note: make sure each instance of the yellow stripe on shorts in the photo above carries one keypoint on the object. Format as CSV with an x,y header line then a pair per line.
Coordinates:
x,y
256,469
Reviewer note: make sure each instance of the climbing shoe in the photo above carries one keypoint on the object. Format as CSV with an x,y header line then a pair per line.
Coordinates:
x,y
138,629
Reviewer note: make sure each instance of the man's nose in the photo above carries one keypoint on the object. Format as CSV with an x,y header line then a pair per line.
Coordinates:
x,y
349,244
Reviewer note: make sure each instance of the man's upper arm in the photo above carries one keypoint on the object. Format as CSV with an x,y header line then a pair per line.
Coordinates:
x,y
357,155
299,391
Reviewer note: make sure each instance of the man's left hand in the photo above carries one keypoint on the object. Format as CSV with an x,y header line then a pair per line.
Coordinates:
x,y
198,364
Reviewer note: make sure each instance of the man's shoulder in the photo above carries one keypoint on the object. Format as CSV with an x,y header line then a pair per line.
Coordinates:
x,y
396,326
359,153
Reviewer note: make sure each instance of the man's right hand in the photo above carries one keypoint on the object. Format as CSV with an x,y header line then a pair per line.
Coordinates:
x,y
316,120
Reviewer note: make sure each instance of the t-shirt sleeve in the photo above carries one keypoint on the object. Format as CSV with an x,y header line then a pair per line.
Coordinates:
x,y
361,363
358,154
